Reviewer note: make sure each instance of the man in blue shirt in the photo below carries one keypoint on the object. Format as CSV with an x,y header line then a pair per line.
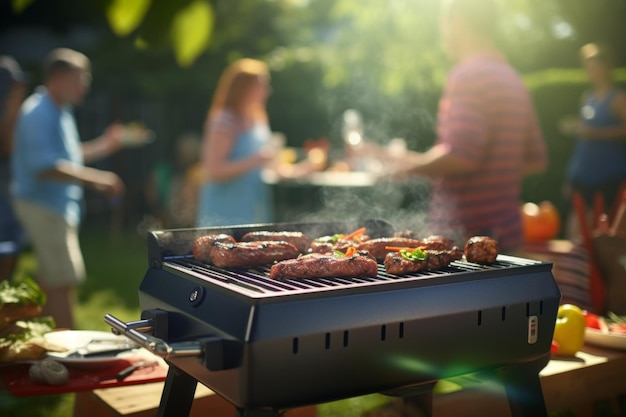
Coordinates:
x,y
49,175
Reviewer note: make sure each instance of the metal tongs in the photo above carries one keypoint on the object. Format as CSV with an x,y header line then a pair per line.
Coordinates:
x,y
137,332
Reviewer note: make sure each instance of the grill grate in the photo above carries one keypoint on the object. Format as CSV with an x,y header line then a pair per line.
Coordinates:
x,y
256,280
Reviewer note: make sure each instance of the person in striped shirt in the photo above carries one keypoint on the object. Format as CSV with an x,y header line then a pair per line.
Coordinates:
x,y
488,137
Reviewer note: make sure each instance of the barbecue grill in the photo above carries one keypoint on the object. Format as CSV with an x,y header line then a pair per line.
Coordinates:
x,y
267,345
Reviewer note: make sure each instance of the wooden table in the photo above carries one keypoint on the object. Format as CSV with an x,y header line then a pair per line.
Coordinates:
x,y
568,384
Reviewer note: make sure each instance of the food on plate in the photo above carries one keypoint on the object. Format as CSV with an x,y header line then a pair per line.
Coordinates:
x,y
401,261
19,301
49,372
569,330
481,250
203,245
338,242
317,265
21,332
248,254
298,239
612,323
24,340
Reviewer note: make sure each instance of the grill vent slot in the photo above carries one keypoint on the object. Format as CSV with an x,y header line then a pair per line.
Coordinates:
x,y
345,338
480,318
294,346
401,330
327,341
383,332
503,313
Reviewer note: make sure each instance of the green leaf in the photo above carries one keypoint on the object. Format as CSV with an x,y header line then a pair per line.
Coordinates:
x,y
23,292
20,5
191,31
126,15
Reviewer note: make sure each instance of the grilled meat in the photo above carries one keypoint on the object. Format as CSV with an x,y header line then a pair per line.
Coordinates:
x,y
396,264
328,244
481,250
408,234
298,239
317,265
247,254
203,245
377,247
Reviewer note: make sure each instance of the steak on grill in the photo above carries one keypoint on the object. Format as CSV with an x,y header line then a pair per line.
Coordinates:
x,y
247,254
317,265
396,264
481,250
203,245
298,239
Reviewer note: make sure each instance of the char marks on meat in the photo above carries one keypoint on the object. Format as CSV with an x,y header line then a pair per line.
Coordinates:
x,y
396,264
377,247
328,244
317,265
203,245
248,254
298,239
481,250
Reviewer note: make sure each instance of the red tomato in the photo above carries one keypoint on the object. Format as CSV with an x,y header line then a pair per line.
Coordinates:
x,y
593,320
541,221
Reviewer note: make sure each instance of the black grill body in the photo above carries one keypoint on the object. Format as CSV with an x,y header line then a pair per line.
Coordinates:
x,y
290,343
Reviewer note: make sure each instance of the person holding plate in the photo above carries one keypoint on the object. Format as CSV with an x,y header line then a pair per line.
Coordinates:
x,y
49,173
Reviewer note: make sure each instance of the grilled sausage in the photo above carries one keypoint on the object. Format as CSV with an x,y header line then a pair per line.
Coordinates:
x,y
203,245
328,244
396,264
317,265
481,250
376,247
247,254
298,239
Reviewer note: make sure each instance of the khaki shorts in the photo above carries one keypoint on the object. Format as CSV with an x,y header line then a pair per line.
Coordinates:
x,y
59,258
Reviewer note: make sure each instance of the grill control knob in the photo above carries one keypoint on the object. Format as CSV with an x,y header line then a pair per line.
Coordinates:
x,y
196,295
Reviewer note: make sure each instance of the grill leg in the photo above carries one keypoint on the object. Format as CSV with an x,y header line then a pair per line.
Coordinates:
x,y
178,393
523,390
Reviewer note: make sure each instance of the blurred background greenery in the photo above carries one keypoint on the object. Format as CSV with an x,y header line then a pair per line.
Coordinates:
x,y
157,61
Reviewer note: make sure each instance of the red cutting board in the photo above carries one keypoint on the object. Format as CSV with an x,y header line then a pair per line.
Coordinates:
x,y
16,380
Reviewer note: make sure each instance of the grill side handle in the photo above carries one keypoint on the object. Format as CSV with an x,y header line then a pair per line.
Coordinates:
x,y
215,352
155,345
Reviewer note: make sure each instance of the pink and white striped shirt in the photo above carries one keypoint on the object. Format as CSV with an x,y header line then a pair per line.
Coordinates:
x,y
485,116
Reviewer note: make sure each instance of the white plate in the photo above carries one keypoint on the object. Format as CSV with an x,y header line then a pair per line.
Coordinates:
x,y
609,340
76,339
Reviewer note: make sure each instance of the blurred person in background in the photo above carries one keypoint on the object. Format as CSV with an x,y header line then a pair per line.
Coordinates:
x,y
49,175
173,186
488,137
598,164
12,92
236,148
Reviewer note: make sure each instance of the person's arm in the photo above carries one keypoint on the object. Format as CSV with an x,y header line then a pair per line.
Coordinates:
x,y
618,107
104,145
104,181
217,166
437,161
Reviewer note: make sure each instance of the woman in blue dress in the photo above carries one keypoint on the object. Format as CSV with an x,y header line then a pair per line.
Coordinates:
x,y
235,149
598,165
